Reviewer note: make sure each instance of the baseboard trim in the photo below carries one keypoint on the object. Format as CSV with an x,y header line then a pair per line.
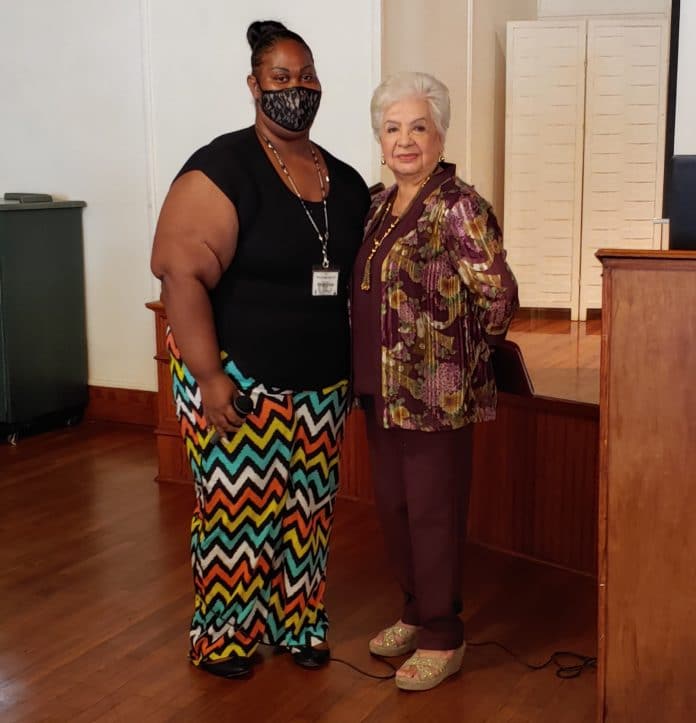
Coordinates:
x,y
130,406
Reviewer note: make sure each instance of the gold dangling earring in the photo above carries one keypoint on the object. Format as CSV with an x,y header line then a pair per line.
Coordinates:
x,y
382,161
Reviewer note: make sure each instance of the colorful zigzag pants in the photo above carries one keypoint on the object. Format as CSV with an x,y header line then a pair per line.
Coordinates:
x,y
264,509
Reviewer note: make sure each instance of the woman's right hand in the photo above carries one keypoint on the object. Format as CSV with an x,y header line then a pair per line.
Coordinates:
x,y
217,393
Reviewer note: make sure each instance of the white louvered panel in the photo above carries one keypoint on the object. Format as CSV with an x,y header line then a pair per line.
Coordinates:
x,y
543,159
627,64
559,8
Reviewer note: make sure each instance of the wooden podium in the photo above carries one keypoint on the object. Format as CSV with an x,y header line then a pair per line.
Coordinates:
x,y
647,488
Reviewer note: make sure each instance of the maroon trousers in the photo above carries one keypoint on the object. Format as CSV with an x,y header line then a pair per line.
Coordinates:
x,y
422,482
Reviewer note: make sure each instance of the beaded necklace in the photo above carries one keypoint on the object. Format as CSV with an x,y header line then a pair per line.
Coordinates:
x,y
323,237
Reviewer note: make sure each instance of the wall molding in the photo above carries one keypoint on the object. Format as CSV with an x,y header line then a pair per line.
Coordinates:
x,y
130,406
154,200
469,114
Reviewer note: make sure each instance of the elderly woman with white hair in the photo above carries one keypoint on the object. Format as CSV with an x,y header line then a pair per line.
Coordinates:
x,y
431,293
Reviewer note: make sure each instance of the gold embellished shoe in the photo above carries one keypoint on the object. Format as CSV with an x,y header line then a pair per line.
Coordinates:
x,y
397,639
430,670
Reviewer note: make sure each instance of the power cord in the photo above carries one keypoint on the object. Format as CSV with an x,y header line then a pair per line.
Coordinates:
x,y
568,664
365,673
384,661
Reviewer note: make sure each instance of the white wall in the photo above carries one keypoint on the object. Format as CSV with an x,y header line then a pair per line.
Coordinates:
x,y
72,126
468,54
487,166
433,36
103,102
685,124
200,61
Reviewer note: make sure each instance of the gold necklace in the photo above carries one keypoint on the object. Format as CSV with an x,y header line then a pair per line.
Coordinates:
x,y
377,241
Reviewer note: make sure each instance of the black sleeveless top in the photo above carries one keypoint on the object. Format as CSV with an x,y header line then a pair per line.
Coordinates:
x,y
265,315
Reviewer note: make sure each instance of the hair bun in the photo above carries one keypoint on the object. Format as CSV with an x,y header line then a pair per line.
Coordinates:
x,y
259,28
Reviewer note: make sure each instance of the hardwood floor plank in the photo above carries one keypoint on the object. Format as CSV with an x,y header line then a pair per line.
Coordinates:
x,y
96,601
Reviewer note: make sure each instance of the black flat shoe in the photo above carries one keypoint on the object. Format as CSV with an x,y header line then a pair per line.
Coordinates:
x,y
233,667
312,658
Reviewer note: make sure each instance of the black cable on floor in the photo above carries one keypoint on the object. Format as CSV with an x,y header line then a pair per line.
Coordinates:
x,y
568,664
365,673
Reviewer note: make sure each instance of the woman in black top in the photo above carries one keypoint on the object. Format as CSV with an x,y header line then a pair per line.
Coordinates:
x,y
254,245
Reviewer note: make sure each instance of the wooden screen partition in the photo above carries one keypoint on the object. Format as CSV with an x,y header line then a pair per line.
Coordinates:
x,y
584,150
534,473
647,535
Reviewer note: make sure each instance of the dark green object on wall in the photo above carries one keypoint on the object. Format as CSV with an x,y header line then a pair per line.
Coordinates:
x,y
43,349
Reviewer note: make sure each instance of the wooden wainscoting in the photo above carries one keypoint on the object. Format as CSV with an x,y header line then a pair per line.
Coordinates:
x,y
355,474
131,406
534,486
534,490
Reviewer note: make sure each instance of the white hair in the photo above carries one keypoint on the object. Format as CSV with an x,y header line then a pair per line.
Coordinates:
x,y
409,85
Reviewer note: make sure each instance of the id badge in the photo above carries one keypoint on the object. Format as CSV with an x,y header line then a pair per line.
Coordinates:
x,y
324,281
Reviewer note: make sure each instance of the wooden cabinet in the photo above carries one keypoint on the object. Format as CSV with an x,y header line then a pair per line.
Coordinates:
x,y
647,494
171,455
43,344
584,153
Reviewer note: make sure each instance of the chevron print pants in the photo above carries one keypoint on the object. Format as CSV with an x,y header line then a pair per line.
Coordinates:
x,y
264,509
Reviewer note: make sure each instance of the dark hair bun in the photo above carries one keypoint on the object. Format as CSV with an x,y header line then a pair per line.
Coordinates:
x,y
259,28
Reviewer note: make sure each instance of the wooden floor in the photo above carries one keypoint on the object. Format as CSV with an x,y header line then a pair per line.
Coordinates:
x,y
562,356
96,598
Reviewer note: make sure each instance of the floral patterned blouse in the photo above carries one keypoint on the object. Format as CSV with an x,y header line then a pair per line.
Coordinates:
x,y
444,286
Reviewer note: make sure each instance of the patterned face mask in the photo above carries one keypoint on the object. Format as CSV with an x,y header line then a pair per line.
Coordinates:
x,y
291,108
